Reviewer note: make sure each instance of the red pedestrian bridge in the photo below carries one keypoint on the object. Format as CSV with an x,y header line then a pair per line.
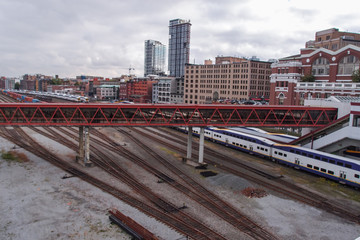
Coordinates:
x,y
88,114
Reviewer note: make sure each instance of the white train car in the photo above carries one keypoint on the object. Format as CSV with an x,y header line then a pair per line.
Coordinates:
x,y
338,168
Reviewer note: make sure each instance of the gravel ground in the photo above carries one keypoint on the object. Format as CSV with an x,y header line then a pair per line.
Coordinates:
x,y
287,218
35,203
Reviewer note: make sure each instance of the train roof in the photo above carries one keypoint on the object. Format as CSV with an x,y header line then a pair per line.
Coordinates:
x,y
330,155
280,137
265,140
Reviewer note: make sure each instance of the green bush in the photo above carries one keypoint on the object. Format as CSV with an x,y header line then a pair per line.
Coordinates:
x,y
8,156
356,76
308,78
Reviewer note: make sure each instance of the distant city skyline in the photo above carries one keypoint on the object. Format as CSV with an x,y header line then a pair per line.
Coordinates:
x,y
105,38
179,46
154,58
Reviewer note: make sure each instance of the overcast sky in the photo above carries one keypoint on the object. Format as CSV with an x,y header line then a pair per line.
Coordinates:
x,y
106,37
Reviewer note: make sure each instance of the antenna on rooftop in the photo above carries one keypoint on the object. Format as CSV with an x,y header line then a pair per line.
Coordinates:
x,y
129,68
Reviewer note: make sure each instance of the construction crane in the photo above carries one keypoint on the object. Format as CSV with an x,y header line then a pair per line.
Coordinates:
x,y
129,68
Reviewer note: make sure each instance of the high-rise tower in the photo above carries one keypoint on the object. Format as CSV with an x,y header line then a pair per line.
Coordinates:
x,y
179,46
154,62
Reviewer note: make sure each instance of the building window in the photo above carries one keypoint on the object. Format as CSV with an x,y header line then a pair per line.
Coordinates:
x,y
356,121
281,99
320,66
348,65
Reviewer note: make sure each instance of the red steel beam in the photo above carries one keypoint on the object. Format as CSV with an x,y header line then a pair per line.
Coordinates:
x,y
87,114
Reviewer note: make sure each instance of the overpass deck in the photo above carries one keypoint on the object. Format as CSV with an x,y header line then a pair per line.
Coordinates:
x,y
88,114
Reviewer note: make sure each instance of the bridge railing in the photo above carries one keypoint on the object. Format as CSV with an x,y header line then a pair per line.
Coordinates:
x,y
163,115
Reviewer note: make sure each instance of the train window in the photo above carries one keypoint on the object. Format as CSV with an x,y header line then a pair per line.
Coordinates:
x,y
316,168
297,152
275,152
285,155
323,169
325,160
266,149
280,153
262,149
317,157
233,143
309,166
339,164
304,154
356,175
311,156
258,147
331,161
348,165
292,151
330,172
245,146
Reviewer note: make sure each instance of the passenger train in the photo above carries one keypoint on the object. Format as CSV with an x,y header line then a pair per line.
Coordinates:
x,y
341,169
278,137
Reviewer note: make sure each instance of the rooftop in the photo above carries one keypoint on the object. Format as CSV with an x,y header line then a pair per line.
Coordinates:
x,y
345,99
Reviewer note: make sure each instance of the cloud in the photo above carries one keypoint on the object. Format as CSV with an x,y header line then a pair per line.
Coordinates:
x,y
105,37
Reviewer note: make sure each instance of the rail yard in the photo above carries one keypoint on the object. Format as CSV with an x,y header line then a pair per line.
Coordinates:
x,y
143,168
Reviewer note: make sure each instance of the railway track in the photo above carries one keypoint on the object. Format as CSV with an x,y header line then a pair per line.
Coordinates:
x,y
297,193
196,192
177,220
4,98
206,197
227,159
181,140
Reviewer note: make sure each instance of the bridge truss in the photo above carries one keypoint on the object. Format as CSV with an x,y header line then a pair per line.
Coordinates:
x,y
58,114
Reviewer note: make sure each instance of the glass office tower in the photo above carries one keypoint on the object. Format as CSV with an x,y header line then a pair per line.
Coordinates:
x,y
154,62
179,46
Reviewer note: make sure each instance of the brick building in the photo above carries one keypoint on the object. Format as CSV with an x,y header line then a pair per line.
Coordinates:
x,y
230,78
333,39
7,83
315,73
168,90
138,90
36,82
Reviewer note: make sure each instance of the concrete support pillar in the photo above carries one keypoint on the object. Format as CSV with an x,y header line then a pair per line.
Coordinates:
x,y
84,146
189,143
201,145
87,161
81,144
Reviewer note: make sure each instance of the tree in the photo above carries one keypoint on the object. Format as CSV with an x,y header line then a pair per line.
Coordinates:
x,y
356,76
17,85
56,81
308,78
